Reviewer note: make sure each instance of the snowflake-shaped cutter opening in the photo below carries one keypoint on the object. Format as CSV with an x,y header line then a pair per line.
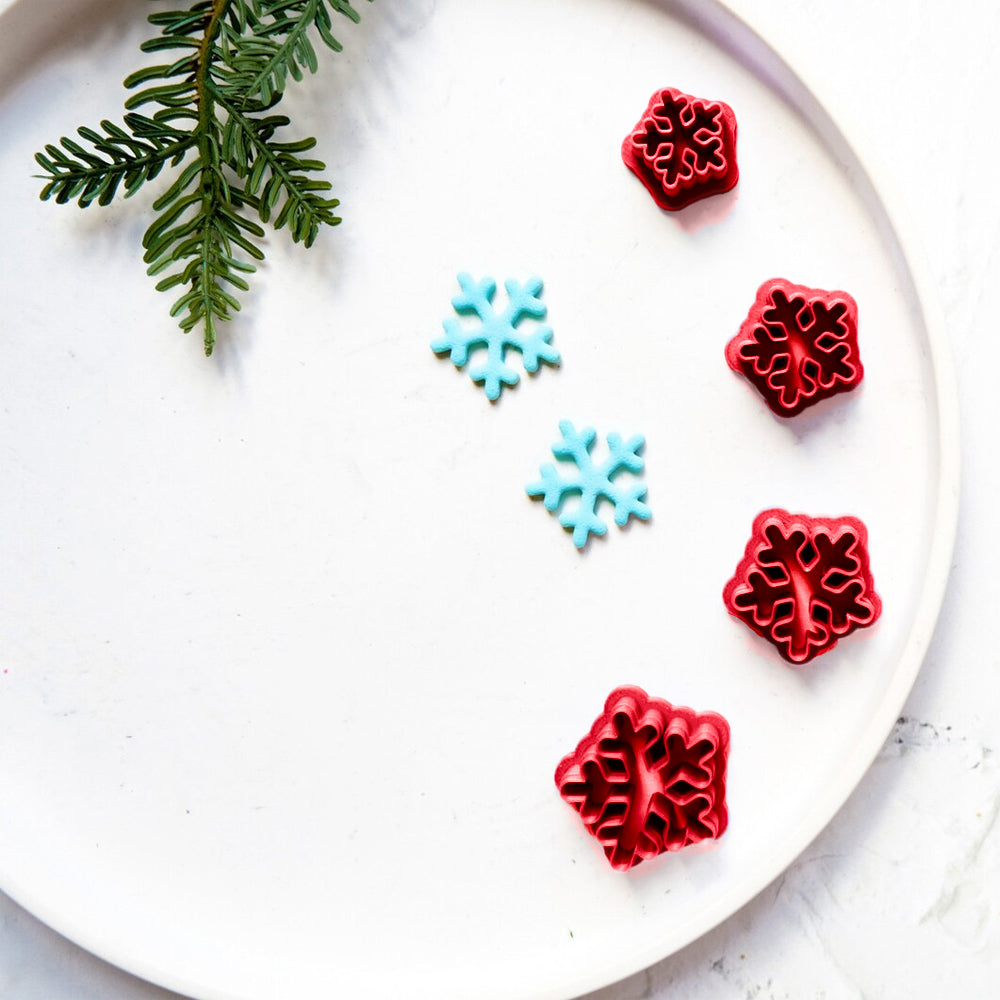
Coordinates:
x,y
798,345
595,483
497,331
804,582
683,148
649,777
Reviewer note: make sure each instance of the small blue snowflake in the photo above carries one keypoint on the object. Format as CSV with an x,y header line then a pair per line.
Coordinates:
x,y
497,331
593,482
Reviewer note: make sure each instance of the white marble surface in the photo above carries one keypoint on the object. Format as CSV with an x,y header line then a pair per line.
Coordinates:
x,y
900,896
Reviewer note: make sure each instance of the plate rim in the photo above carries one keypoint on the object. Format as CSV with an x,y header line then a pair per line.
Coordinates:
x,y
723,21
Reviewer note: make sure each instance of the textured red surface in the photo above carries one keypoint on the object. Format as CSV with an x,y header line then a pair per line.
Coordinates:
x,y
798,345
804,582
683,148
649,777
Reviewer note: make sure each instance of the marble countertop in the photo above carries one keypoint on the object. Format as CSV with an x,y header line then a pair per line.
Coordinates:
x,y
900,895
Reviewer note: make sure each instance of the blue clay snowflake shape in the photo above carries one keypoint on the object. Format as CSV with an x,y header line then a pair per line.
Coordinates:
x,y
594,483
497,331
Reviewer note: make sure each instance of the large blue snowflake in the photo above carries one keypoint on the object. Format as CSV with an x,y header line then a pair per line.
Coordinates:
x,y
497,331
593,482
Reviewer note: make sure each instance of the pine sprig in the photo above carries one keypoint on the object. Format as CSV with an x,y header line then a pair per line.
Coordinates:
x,y
282,45
210,110
276,176
133,157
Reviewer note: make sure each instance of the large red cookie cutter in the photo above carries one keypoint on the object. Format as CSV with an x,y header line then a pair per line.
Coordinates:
x,y
649,777
804,582
798,345
683,148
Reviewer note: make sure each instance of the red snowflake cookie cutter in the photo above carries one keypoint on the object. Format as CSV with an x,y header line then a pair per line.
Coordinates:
x,y
683,148
649,777
804,582
798,345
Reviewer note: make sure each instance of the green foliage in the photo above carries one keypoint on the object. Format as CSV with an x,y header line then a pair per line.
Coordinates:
x,y
209,109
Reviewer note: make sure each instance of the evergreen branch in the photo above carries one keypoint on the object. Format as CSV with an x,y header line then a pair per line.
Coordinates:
x,y
274,170
281,45
231,61
131,157
199,231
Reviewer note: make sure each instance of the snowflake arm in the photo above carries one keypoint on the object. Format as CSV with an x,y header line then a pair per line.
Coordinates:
x,y
593,482
628,500
497,332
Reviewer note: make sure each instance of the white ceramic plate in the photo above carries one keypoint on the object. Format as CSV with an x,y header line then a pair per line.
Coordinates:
x,y
288,655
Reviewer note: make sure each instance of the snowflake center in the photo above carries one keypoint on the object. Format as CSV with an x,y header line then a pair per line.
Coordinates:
x,y
796,349
645,782
802,588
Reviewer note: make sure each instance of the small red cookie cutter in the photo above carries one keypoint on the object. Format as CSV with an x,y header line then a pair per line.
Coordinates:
x,y
683,148
649,777
804,582
798,345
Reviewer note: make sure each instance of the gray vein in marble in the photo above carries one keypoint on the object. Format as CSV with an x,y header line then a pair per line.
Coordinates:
x,y
750,990
911,733
963,907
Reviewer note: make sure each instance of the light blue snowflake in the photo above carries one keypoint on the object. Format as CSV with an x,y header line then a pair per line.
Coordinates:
x,y
497,331
593,482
